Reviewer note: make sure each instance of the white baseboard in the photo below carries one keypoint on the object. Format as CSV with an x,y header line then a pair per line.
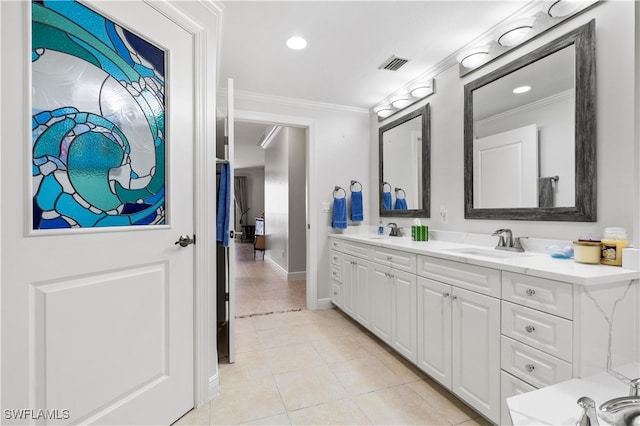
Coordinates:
x,y
214,387
324,304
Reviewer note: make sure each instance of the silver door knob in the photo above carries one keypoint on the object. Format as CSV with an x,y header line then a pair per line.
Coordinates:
x,y
185,240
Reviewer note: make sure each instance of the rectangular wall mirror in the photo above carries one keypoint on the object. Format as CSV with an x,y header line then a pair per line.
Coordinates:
x,y
405,165
530,135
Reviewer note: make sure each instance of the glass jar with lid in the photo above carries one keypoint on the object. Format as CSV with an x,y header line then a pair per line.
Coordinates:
x,y
613,241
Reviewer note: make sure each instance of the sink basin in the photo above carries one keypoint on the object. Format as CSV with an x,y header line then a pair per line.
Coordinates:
x,y
493,254
621,411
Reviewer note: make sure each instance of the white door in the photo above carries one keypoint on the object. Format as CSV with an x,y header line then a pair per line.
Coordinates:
x,y
97,324
434,329
505,169
476,351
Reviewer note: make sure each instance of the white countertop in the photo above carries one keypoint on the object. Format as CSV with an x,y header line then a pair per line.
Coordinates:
x,y
528,263
557,404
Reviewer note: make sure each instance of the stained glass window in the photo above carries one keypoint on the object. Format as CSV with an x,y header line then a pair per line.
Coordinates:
x,y
98,123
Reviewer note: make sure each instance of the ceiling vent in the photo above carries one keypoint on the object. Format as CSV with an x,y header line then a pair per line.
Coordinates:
x,y
393,63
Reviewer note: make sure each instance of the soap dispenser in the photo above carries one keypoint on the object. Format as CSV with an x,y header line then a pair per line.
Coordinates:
x,y
380,227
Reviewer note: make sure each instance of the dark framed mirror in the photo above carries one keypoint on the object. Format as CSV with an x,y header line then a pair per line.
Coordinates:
x,y
530,135
405,165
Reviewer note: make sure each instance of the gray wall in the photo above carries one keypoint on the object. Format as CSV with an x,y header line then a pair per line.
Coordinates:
x,y
255,193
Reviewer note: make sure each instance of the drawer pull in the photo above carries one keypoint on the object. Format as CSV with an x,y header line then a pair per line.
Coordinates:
x,y
335,293
530,367
531,292
335,273
445,295
530,329
454,297
389,258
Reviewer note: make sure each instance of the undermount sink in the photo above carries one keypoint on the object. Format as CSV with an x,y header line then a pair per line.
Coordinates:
x,y
494,254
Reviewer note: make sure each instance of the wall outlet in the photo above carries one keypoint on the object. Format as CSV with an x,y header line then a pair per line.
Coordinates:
x,y
325,207
444,214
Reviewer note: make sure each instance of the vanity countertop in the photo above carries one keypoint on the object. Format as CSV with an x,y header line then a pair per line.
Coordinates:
x,y
528,263
557,404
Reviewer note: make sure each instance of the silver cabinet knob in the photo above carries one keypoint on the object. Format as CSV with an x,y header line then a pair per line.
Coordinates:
x,y
389,258
445,295
454,297
530,292
185,240
530,367
530,329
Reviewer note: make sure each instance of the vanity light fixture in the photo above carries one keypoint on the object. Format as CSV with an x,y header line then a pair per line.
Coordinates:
x,y
514,32
383,111
400,101
422,89
521,89
562,8
296,43
474,56
269,136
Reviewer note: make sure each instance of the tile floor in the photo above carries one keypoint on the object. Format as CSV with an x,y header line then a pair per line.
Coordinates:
x,y
299,367
262,288
321,368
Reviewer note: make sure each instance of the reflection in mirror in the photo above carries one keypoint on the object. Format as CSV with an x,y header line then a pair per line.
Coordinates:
x,y
404,165
530,135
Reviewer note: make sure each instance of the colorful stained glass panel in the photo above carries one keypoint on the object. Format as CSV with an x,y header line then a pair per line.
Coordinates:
x,y
98,123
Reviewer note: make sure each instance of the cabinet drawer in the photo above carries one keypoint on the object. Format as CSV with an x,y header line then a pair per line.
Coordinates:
x,y
531,365
356,249
396,259
510,386
471,277
549,296
549,333
335,258
336,293
336,273
336,244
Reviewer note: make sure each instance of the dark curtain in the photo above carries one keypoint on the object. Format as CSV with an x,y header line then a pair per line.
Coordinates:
x,y
240,187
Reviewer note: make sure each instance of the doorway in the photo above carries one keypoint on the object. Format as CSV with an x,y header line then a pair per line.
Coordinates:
x,y
271,193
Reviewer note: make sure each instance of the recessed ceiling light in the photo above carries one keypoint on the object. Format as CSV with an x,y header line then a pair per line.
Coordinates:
x,y
296,43
522,89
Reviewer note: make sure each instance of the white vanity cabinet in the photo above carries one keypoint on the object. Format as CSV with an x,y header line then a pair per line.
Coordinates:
x,y
459,331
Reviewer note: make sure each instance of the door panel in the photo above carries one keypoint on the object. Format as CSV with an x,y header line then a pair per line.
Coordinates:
x,y
404,314
381,294
98,321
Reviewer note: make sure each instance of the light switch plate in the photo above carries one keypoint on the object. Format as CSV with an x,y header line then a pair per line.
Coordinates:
x,y
325,208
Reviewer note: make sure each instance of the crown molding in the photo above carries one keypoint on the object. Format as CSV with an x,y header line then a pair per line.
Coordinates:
x,y
294,102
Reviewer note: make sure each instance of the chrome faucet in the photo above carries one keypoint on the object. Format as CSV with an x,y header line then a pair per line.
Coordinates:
x,y
507,242
395,231
589,416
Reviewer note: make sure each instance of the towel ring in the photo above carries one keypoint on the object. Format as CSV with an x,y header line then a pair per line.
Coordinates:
x,y
354,182
404,194
339,188
386,183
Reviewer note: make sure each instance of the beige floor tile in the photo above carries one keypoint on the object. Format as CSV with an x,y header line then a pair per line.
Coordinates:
x,y
195,417
280,419
400,366
478,421
342,412
286,359
275,337
340,348
247,366
371,343
287,319
445,403
246,401
249,306
313,386
244,325
247,341
399,405
365,375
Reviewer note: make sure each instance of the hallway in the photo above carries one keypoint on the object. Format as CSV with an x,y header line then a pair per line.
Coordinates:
x,y
261,288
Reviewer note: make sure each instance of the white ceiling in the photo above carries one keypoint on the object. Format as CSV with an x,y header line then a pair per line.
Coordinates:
x,y
347,42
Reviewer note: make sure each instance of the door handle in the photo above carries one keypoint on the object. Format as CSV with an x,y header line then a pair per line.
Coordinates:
x,y
185,240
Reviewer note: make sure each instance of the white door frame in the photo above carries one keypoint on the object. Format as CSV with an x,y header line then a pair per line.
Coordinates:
x,y
310,173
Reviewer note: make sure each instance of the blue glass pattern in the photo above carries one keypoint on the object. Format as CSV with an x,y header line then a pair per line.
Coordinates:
x,y
98,123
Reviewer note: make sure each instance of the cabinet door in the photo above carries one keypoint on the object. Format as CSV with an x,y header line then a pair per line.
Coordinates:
x,y
434,329
363,301
336,293
380,281
348,284
476,351
403,309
